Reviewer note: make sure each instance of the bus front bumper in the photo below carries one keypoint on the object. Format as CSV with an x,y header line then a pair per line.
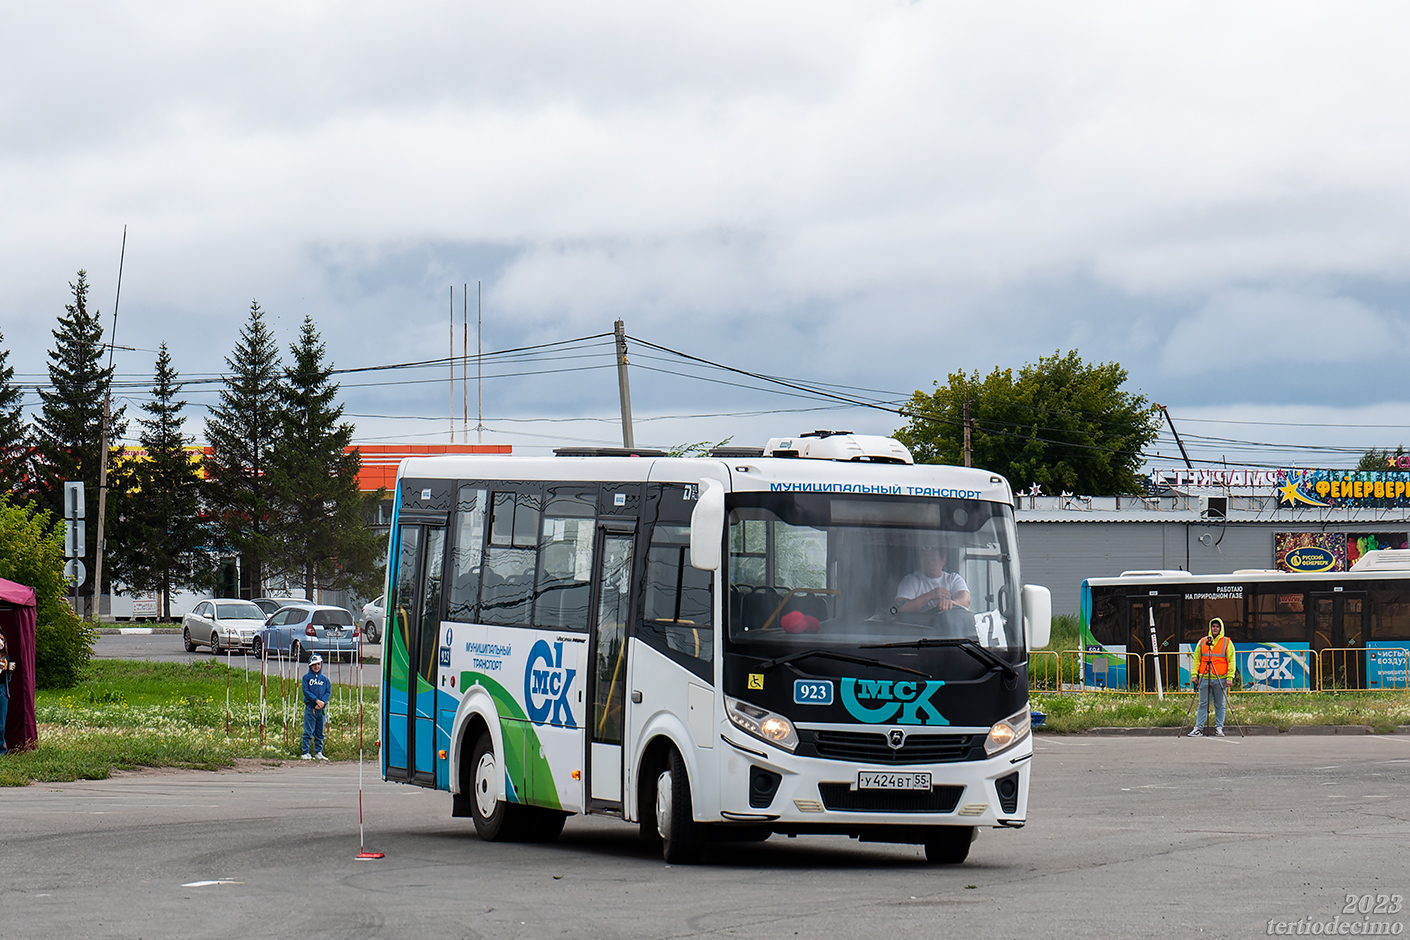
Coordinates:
x,y
763,785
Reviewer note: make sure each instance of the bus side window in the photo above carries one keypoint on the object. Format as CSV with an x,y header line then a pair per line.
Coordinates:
x,y
507,585
1275,616
677,620
1390,615
1106,619
565,558
466,555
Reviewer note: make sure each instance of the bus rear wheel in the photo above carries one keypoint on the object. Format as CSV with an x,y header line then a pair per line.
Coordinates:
x,y
949,845
682,838
495,819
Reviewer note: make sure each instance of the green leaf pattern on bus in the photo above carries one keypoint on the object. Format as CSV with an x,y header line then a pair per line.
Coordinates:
x,y
530,776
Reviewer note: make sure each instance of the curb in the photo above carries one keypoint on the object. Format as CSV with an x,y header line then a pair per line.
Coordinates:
x,y
1331,729
127,631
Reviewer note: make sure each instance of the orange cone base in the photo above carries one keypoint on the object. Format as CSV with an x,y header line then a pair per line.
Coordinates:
x,y
363,856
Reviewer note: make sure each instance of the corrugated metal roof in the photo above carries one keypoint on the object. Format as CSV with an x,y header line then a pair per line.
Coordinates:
x,y
1235,517
1055,515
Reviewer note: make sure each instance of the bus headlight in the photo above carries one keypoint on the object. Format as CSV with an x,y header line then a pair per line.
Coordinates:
x,y
1005,734
762,723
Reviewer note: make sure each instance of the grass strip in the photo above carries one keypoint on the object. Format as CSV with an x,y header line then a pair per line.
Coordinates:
x,y
201,715
1082,711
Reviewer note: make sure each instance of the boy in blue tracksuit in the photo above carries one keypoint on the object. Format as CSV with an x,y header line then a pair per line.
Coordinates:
x,y
317,689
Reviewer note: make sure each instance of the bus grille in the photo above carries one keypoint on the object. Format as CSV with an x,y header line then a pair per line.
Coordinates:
x,y
840,797
872,748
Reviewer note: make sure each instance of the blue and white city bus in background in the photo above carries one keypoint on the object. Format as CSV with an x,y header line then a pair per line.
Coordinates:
x,y
709,647
1292,631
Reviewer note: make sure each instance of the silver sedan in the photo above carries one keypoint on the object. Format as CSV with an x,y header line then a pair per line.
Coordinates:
x,y
222,624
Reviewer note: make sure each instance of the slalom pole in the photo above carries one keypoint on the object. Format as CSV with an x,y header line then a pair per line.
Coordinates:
x,y
263,688
362,853
1155,654
227,693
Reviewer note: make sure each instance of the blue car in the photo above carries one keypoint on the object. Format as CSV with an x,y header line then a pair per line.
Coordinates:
x,y
299,631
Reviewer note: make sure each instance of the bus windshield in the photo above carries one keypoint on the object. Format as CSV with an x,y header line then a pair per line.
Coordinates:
x,y
808,569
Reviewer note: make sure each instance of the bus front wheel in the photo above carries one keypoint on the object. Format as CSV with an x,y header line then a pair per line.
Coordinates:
x,y
495,820
682,838
949,845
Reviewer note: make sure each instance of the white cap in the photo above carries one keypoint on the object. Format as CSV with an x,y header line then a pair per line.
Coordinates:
x,y
314,659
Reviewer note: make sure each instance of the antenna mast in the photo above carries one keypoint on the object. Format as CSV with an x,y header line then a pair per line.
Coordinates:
x,y
479,367
465,358
103,447
452,363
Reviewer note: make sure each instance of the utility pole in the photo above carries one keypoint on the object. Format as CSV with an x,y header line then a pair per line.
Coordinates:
x,y
1181,444
103,453
968,456
623,389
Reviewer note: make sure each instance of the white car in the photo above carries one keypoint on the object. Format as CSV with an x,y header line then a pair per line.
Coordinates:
x,y
221,624
373,619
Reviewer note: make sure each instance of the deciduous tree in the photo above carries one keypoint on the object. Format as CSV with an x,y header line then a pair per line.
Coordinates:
x,y
1060,423
32,553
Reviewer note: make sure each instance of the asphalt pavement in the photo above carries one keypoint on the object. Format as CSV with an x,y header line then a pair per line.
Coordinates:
x,y
169,647
1128,837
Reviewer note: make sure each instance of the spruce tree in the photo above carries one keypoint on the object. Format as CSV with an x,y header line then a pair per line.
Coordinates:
x,y
241,432
326,542
158,536
69,429
14,435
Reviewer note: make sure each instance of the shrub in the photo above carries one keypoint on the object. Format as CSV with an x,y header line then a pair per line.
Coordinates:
x,y
63,648
32,553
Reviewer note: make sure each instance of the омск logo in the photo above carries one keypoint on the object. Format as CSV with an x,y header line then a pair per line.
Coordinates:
x,y
546,686
909,698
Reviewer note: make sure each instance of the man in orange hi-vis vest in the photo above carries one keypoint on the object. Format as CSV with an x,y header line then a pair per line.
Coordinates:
x,y
1214,668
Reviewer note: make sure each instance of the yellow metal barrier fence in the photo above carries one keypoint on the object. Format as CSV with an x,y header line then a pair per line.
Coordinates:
x,y
1044,671
1366,669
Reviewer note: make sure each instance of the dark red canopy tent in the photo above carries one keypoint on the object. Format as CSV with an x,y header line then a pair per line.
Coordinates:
x,y
17,623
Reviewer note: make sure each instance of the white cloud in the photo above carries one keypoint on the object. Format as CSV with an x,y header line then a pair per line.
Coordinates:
x,y
877,191
1240,329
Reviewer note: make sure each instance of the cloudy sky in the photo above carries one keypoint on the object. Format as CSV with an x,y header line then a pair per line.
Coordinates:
x,y
869,195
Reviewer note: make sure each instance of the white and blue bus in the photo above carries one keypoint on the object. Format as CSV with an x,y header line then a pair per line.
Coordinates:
x,y
1292,631
710,647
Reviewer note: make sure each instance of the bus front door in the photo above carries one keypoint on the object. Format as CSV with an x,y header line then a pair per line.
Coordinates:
x,y
410,643
1338,621
609,665
1142,675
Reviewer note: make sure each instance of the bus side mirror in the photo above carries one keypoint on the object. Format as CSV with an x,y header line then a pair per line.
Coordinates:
x,y
1037,616
707,524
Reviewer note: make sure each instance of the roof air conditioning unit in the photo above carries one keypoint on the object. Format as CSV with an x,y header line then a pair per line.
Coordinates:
x,y
1214,507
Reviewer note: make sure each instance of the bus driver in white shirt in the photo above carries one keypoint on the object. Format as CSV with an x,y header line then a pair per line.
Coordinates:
x,y
932,587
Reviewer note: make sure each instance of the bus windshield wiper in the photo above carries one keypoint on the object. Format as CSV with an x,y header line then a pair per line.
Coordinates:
x,y
981,653
841,657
